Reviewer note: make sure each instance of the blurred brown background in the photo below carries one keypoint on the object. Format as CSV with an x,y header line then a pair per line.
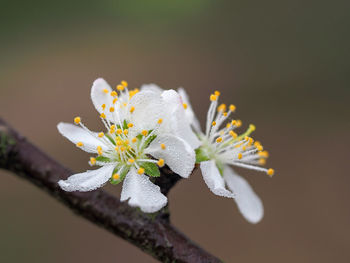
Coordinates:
x,y
284,64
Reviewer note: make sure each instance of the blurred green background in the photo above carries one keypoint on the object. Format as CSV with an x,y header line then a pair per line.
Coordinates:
x,y
284,64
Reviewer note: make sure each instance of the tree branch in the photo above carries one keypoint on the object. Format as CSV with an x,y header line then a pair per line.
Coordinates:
x,y
153,233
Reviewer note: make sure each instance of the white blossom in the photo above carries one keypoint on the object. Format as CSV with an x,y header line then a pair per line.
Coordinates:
x,y
222,147
140,136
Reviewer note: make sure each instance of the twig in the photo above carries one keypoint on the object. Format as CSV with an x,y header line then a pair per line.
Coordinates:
x,y
153,233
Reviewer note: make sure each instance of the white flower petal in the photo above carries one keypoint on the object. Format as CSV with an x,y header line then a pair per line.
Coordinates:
x,y
88,181
77,134
149,108
142,192
189,113
100,97
248,202
152,87
213,179
178,154
179,125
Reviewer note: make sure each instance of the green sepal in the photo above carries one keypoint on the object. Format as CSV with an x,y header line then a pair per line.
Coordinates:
x,y
201,156
122,175
151,169
110,138
125,125
149,140
220,167
103,159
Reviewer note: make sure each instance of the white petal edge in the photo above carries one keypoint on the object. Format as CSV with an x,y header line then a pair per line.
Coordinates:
x,y
152,87
77,134
99,97
87,181
179,124
249,204
213,179
189,113
141,192
178,154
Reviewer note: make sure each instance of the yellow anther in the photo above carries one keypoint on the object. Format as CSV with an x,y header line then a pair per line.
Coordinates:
x,y
131,93
113,127
124,104
225,114
213,97
126,142
92,160
144,133
101,134
240,156
111,109
80,144
259,147
232,107
120,87
131,160
251,140
184,105
105,91
99,150
213,123
130,125
129,147
219,139
217,93
122,148
160,121
160,162
246,138
233,122
141,171
119,131
119,142
116,148
124,83
233,134
77,120
262,161
244,148
228,125
239,123
162,145
257,143
114,93
270,172
103,116
134,139
115,100
103,106
116,176
264,154
252,127
132,109
222,107
126,131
